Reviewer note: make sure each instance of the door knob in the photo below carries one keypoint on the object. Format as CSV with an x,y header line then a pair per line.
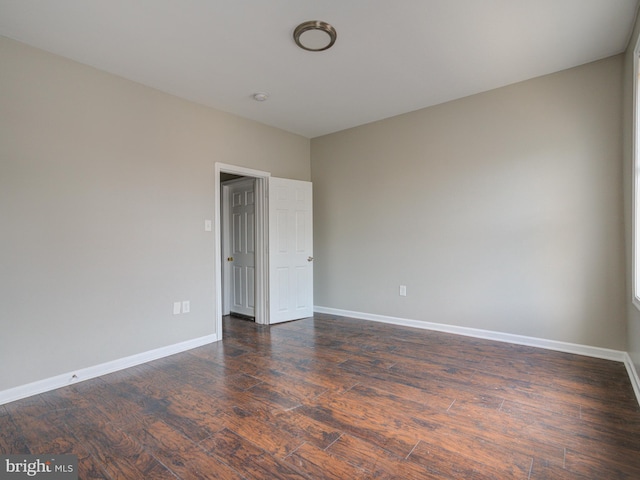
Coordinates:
x,y
229,259
310,259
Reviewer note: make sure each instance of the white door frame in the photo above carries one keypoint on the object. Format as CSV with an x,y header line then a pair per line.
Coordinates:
x,y
224,231
262,270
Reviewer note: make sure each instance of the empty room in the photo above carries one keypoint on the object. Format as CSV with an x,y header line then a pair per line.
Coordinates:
x,y
320,239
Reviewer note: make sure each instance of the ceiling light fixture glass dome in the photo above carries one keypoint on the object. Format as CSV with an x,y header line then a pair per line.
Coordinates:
x,y
315,35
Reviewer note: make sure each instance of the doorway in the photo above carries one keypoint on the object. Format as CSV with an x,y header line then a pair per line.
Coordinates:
x,y
283,247
238,246
260,178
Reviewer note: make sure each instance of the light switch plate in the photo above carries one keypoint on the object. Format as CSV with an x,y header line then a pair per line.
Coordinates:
x,y
207,225
176,308
186,306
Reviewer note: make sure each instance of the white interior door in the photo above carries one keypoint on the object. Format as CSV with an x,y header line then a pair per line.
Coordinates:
x,y
290,250
242,221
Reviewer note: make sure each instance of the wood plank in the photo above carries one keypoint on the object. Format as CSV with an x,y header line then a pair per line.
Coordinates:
x,y
311,431
378,462
264,434
12,441
184,458
121,455
383,431
317,463
244,456
601,466
478,460
598,441
544,470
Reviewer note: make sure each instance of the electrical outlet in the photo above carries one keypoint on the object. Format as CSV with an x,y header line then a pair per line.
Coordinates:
x,y
186,306
403,290
176,308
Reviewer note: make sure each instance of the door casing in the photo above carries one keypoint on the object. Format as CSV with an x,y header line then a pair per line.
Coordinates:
x,y
262,270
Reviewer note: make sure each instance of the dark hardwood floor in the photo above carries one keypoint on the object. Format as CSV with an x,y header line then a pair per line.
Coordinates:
x,y
335,398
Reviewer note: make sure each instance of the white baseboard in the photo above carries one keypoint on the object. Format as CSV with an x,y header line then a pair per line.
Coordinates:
x,y
633,375
63,380
586,350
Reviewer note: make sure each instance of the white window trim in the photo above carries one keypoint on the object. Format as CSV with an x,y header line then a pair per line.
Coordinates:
x,y
635,235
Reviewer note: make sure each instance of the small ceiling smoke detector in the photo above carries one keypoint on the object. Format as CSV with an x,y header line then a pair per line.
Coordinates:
x,y
260,96
315,35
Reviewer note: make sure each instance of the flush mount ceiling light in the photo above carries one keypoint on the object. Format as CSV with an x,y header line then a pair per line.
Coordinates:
x,y
260,96
315,35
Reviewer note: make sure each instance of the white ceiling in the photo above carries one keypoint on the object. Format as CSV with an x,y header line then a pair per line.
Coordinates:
x,y
391,56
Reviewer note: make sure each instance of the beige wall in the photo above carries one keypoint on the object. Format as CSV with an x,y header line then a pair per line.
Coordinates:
x,y
104,188
500,211
633,326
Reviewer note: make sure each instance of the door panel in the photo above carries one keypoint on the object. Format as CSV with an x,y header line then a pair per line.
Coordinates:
x,y
243,248
290,250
